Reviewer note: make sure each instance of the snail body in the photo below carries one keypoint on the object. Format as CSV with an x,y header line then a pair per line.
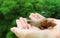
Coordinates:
x,y
43,23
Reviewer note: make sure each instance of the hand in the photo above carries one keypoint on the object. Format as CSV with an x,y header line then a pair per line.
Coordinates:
x,y
36,17
23,28
26,31
56,29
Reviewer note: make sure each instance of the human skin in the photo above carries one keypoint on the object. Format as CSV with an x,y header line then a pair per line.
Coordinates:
x,y
25,30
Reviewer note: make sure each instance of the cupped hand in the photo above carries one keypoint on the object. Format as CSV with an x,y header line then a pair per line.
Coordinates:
x,y
25,30
55,30
36,17
22,28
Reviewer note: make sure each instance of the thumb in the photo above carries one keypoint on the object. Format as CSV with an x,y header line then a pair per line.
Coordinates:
x,y
18,32
15,30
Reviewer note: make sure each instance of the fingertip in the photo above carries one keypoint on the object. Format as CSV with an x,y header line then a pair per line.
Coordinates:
x,y
31,16
16,31
20,17
17,20
13,29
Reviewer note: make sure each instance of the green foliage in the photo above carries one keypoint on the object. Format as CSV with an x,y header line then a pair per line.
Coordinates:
x,y
10,10
10,35
7,6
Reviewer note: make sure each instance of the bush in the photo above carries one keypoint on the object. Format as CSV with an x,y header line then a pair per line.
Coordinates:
x,y
10,10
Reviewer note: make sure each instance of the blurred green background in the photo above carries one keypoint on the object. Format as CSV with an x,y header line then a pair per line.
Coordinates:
x,y
10,10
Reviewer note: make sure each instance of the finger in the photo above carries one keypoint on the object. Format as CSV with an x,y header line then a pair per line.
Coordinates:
x,y
33,17
40,16
16,31
18,23
23,22
27,25
20,33
36,16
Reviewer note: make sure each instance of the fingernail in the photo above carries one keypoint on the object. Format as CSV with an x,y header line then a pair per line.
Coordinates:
x,y
17,20
21,17
13,29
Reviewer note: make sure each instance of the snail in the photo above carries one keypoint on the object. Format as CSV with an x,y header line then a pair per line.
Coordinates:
x,y
43,23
